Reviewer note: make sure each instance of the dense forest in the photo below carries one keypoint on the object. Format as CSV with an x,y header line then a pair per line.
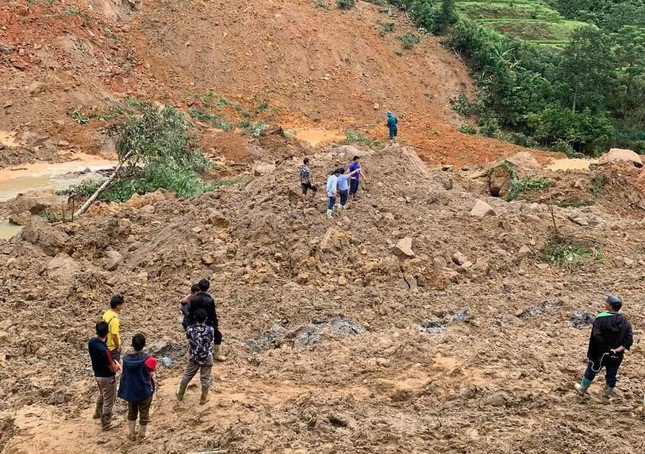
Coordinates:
x,y
580,95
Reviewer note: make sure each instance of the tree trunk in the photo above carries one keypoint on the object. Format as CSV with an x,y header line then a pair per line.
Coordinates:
x,y
575,98
103,187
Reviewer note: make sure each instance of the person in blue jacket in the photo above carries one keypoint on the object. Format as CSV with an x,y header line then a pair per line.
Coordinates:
x,y
137,386
392,125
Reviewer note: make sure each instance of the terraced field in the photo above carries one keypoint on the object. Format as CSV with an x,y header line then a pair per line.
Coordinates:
x,y
530,20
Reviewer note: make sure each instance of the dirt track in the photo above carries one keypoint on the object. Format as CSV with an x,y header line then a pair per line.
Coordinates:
x,y
497,378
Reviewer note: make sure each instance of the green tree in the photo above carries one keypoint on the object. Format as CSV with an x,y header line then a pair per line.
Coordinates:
x,y
588,68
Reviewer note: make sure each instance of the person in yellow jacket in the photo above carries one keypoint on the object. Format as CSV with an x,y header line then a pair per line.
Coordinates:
x,y
111,317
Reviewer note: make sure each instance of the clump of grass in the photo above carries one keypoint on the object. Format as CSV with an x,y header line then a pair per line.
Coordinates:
x,y
410,40
387,27
467,129
353,136
518,185
569,253
345,4
321,4
216,120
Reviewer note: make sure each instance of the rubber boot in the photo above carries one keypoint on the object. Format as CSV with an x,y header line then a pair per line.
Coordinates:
x,y
329,212
181,390
97,411
217,356
107,423
132,428
582,387
142,431
608,391
204,398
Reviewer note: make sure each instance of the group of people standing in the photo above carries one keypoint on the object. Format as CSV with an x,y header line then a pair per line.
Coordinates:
x,y
342,184
136,384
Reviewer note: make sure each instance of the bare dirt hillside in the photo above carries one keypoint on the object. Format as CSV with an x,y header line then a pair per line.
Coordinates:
x,y
340,338
64,63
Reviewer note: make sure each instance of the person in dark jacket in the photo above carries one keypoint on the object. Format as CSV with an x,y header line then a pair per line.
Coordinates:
x,y
137,386
611,335
203,300
392,126
185,305
105,368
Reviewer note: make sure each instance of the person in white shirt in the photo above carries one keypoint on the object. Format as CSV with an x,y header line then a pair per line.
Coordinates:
x,y
332,190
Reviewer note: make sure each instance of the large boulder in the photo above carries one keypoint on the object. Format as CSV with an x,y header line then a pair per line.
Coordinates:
x,y
51,240
499,181
617,154
524,159
36,202
112,260
62,267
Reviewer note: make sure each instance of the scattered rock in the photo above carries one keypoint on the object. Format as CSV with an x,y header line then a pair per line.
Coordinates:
x,y
36,202
458,258
36,88
403,248
628,262
433,326
482,209
461,316
112,260
147,210
20,218
51,240
524,159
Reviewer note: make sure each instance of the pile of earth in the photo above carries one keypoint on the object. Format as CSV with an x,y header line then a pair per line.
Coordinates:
x,y
416,251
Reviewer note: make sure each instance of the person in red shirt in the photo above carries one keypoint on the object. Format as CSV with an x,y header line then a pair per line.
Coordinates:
x,y
137,386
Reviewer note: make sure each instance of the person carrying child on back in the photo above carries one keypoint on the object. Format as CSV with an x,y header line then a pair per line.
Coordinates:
x,y
185,305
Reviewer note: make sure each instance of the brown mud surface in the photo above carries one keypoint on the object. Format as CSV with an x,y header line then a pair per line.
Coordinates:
x,y
336,340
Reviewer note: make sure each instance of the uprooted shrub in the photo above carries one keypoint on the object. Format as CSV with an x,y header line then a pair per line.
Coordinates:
x,y
158,153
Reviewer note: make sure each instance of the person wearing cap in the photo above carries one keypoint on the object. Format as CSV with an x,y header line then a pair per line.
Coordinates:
x,y
611,335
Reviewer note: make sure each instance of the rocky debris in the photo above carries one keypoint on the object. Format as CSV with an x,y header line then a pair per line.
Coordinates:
x,y
482,209
36,202
403,248
433,326
62,267
580,319
50,239
305,335
461,316
618,154
113,259
585,219
459,258
499,181
544,308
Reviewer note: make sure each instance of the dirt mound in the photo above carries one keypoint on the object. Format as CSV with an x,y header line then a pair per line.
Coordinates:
x,y
463,346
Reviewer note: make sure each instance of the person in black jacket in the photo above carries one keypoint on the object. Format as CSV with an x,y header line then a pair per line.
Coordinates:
x,y
611,335
203,300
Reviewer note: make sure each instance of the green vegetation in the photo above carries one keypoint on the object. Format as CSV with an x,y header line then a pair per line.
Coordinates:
x,y
520,185
127,106
321,4
387,27
596,184
345,4
353,136
567,75
568,253
159,154
410,40
467,129
216,120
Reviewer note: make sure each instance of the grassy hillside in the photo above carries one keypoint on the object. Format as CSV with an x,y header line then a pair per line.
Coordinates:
x,y
530,20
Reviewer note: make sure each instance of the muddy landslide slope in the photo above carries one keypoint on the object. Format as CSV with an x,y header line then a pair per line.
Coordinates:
x,y
340,336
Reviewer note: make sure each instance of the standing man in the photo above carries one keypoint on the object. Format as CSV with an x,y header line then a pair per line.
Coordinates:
x,y
111,317
137,386
200,358
611,335
185,305
105,368
392,126
204,301
355,173
305,181
332,191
